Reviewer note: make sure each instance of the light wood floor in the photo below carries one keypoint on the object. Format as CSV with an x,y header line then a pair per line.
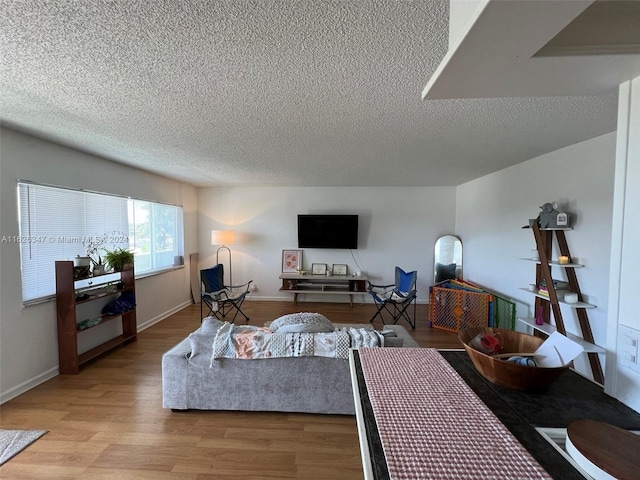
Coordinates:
x,y
108,422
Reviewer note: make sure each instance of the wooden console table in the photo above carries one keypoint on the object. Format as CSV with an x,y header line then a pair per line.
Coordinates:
x,y
322,284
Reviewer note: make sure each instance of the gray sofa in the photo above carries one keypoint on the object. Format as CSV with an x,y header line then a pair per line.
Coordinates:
x,y
303,384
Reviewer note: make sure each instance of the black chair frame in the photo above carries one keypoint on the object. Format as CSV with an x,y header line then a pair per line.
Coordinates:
x,y
394,301
219,298
397,309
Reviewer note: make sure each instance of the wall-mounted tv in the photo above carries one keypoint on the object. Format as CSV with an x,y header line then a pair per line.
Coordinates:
x,y
328,231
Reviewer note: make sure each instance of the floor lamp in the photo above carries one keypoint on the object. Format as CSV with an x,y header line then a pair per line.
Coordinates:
x,y
223,238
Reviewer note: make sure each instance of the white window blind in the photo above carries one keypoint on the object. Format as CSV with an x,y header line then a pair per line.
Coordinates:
x,y
59,224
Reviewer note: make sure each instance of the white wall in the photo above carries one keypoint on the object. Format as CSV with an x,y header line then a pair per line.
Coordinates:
x,y
622,382
28,338
491,211
397,226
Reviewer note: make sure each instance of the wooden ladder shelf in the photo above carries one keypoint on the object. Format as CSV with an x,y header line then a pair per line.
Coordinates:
x,y
544,240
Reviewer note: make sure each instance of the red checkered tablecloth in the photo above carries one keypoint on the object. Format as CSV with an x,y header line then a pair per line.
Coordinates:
x,y
433,426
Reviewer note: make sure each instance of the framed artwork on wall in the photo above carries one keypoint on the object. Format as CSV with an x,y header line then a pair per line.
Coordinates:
x,y
291,261
319,268
339,269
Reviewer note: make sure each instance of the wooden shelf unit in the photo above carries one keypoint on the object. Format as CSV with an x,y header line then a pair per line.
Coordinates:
x,y
66,292
551,304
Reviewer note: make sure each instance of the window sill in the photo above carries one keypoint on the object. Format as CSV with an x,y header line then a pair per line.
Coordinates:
x,y
159,272
41,300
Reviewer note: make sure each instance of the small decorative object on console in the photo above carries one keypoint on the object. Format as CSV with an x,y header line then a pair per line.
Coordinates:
x,y
79,261
319,268
291,261
80,273
339,269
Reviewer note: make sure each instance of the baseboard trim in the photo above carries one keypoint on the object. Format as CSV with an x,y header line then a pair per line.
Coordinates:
x,y
53,372
28,385
163,315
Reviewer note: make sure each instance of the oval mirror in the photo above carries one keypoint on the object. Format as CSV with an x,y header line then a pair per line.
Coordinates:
x,y
447,259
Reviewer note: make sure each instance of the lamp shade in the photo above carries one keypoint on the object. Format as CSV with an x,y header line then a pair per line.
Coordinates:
x,y
222,237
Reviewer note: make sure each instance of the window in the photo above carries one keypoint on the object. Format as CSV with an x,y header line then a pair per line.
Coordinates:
x,y
152,231
59,224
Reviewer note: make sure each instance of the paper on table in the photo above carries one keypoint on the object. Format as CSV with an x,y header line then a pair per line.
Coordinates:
x,y
556,351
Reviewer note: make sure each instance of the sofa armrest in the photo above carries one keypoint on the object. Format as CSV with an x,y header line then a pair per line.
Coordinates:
x,y
174,376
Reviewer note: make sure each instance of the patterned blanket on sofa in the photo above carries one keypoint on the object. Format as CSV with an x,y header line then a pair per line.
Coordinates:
x,y
249,342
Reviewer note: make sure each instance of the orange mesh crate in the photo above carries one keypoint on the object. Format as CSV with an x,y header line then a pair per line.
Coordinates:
x,y
454,310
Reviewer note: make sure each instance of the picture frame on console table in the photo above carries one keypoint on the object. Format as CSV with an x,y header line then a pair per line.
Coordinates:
x,y
291,261
339,269
318,268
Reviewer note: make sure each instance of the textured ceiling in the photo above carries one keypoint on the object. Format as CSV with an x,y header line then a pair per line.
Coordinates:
x,y
265,92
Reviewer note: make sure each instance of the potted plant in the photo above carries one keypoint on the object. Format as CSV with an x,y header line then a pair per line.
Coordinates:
x,y
93,246
118,258
98,266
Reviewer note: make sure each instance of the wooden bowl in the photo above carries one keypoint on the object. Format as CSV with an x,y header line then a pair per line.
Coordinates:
x,y
507,374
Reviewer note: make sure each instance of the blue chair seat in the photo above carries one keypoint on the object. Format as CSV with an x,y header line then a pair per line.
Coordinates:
x,y
221,299
393,300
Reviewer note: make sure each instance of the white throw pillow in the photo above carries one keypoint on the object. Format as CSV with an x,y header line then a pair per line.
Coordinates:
x,y
303,322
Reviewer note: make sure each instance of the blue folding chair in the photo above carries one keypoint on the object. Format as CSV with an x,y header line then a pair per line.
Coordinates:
x,y
219,298
394,299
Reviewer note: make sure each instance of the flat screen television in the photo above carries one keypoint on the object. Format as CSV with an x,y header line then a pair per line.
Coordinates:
x,y
328,231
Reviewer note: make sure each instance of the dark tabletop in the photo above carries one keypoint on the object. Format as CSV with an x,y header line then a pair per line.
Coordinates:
x,y
571,397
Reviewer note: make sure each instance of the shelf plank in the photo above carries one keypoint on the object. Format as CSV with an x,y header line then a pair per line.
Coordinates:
x,y
564,229
93,282
549,329
104,319
561,301
554,263
331,292
99,293
104,347
321,278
